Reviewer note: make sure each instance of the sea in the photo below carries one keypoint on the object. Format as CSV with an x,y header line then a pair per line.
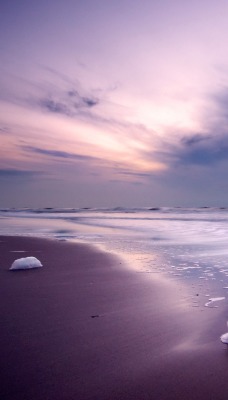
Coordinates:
x,y
189,245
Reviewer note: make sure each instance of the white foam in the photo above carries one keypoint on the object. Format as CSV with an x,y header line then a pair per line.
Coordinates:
x,y
18,251
26,263
213,299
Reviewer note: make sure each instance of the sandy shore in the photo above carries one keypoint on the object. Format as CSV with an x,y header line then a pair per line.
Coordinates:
x,y
85,327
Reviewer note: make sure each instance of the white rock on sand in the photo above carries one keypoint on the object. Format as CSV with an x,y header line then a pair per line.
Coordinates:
x,y
224,338
25,263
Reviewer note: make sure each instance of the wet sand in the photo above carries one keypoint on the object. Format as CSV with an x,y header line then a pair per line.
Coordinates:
x,y
86,327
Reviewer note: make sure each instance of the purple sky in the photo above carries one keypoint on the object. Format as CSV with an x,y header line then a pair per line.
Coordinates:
x,y
107,103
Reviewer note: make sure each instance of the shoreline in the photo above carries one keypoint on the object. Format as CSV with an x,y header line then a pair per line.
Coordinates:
x,y
84,327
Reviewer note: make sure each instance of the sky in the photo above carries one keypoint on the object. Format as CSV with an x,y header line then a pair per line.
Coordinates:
x,y
109,103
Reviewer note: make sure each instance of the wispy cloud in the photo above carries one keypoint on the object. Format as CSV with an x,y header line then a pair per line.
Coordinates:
x,y
59,154
59,95
131,173
4,130
56,94
193,139
205,148
220,99
140,146
17,173
203,154
67,103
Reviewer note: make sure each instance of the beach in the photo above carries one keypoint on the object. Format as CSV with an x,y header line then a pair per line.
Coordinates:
x,y
85,326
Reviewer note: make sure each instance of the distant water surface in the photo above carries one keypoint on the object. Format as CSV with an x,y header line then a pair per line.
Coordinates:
x,y
189,244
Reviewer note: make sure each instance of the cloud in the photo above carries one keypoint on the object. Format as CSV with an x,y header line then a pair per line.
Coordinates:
x,y
197,161
221,100
66,96
4,130
133,174
89,165
59,154
17,173
55,107
90,102
194,139
59,95
56,94
63,96
67,103
205,155
206,148
194,150
124,182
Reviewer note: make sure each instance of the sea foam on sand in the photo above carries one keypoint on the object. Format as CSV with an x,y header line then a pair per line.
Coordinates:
x,y
26,263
